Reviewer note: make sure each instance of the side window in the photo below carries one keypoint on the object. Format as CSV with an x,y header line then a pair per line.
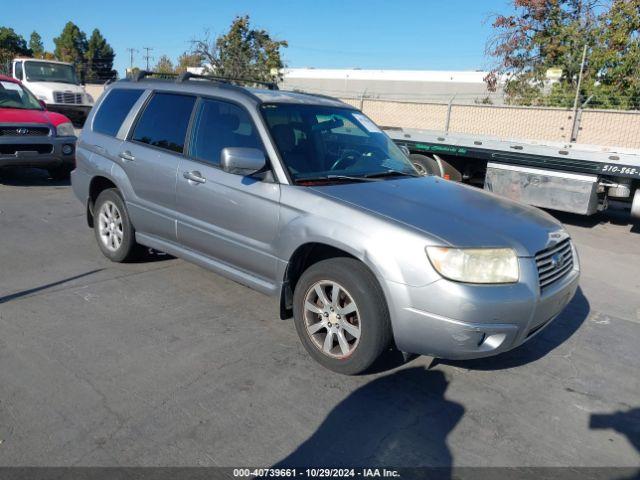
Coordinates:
x,y
18,71
218,125
165,121
114,109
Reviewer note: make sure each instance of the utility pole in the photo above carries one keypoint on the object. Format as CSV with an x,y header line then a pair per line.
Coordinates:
x,y
576,101
147,56
131,52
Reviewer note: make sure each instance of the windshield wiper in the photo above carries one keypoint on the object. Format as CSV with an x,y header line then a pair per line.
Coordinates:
x,y
390,173
325,178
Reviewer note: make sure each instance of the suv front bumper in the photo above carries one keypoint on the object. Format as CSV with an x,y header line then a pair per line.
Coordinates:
x,y
460,321
44,152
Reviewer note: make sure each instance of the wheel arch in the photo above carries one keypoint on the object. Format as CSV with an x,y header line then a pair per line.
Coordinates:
x,y
308,254
97,185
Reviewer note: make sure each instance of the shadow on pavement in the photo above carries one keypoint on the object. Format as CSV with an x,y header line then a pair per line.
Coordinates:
x,y
625,423
613,216
30,291
29,177
401,419
558,332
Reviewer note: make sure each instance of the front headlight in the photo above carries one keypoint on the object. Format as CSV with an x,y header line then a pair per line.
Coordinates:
x,y
89,98
475,265
65,130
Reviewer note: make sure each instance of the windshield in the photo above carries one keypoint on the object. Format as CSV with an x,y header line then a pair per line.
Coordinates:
x,y
13,95
50,72
318,142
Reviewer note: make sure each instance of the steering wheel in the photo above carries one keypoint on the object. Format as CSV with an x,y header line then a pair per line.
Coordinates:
x,y
348,154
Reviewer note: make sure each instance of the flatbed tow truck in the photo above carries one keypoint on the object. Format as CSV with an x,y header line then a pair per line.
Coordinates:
x,y
559,176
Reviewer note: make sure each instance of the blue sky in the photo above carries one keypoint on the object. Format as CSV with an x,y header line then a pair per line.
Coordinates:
x,y
401,34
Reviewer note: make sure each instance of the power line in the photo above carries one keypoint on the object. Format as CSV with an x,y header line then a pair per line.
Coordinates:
x,y
147,56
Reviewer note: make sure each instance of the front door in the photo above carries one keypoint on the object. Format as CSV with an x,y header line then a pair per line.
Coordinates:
x,y
230,218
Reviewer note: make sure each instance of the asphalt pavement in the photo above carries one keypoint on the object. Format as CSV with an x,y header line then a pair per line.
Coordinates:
x,y
163,363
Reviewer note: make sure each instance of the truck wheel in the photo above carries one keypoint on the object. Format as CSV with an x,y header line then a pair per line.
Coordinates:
x,y
425,165
635,206
112,227
341,315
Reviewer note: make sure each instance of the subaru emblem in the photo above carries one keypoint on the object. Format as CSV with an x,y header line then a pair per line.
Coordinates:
x,y
22,131
557,260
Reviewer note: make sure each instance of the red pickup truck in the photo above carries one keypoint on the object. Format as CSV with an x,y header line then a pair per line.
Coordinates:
x,y
31,136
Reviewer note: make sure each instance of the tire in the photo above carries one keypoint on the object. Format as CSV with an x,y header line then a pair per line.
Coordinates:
x,y
635,206
59,173
425,165
108,208
368,317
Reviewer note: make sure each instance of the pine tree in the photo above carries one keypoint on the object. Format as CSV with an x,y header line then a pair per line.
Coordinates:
x,y
99,59
71,46
35,44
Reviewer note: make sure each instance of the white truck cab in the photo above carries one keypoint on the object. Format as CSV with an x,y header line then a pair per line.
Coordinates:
x,y
55,83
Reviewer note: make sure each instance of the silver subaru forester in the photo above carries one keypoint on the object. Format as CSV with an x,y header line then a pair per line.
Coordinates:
x,y
304,198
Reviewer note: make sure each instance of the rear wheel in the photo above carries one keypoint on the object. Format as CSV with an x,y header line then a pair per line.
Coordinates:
x,y
112,227
341,316
424,165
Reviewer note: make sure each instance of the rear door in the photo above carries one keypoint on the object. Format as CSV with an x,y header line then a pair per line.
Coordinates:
x,y
150,157
227,217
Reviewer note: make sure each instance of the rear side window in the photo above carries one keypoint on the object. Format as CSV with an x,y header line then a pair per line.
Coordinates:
x,y
114,109
164,121
218,125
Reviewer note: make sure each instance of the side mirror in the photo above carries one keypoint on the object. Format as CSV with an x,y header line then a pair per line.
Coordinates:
x,y
42,104
242,161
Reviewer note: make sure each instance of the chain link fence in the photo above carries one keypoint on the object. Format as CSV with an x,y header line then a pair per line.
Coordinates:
x,y
612,128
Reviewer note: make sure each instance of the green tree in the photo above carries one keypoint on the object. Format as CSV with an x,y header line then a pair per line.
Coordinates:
x,y
616,56
243,52
99,59
187,60
164,65
35,44
551,34
71,46
11,45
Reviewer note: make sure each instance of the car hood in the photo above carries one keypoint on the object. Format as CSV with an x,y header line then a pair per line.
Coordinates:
x,y
451,213
16,115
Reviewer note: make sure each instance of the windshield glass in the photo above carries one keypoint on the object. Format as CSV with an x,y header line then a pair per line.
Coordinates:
x,y
13,95
318,142
50,72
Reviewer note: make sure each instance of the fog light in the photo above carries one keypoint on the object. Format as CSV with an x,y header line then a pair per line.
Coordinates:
x,y
67,149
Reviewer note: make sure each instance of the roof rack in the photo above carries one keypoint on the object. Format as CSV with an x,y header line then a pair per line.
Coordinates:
x,y
185,76
142,74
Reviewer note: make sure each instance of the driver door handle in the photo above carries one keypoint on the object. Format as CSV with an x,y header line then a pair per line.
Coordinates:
x,y
127,156
194,176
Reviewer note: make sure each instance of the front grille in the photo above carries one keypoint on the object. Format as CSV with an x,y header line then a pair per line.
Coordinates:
x,y
554,263
67,97
12,148
19,131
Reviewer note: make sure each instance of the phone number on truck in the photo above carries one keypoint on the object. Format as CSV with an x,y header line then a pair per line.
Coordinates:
x,y
621,170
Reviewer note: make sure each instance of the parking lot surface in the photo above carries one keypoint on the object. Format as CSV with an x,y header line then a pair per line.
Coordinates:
x,y
163,363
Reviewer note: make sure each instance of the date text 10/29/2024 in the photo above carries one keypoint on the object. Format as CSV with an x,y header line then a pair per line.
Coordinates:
x,y
315,473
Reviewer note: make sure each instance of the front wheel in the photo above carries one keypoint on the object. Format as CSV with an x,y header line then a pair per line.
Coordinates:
x,y
113,229
341,316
